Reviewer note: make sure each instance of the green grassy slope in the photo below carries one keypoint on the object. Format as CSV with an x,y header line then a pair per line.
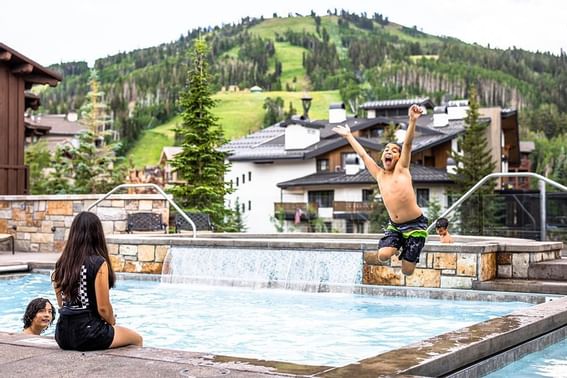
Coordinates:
x,y
240,113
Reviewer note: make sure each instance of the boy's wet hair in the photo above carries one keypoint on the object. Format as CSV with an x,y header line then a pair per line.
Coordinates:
x,y
395,144
33,308
442,223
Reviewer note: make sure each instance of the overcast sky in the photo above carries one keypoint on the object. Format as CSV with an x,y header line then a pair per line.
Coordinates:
x,y
69,30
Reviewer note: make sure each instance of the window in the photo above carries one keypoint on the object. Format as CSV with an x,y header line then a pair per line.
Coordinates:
x,y
376,133
354,226
321,198
367,195
243,208
231,183
237,181
422,197
429,161
249,176
243,178
249,205
451,199
322,165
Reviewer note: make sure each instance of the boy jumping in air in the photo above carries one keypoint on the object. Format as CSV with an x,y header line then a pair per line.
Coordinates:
x,y
407,227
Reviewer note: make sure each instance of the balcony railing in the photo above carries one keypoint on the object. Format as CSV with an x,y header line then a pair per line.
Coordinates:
x,y
338,206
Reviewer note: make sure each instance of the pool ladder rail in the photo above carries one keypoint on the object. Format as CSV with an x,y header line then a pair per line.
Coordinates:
x,y
159,190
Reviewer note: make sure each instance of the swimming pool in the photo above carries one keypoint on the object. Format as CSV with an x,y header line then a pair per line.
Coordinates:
x,y
548,362
310,328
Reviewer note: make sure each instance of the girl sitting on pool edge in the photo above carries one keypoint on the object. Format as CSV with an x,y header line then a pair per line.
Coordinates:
x,y
82,280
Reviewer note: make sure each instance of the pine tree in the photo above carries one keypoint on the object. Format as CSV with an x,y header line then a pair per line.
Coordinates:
x,y
474,163
90,166
200,164
378,218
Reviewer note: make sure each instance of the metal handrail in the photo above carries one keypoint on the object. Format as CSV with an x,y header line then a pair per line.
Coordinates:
x,y
542,182
159,190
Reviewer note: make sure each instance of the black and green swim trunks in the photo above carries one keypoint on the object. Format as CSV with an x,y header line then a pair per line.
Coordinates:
x,y
409,237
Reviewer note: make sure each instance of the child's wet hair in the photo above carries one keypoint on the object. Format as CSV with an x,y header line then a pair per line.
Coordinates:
x,y
442,223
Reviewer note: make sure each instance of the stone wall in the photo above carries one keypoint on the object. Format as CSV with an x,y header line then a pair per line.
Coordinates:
x,y
41,223
458,265
454,266
138,258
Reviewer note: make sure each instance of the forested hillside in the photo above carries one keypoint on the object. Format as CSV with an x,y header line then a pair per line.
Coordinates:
x,y
366,57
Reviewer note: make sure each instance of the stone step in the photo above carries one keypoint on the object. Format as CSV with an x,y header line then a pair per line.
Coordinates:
x,y
555,270
523,286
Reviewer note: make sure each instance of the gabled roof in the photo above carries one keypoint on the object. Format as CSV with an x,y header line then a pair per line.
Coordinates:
x,y
269,144
32,72
58,124
170,152
419,173
394,104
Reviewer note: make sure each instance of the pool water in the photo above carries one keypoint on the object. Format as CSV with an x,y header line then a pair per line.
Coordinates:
x,y
548,362
310,328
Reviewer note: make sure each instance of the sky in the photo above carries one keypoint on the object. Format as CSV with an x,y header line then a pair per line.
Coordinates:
x,y
57,31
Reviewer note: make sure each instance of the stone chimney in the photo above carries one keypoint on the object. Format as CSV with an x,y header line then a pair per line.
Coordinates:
x,y
337,113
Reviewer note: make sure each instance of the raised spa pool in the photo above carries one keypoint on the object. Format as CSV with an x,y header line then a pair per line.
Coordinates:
x,y
309,328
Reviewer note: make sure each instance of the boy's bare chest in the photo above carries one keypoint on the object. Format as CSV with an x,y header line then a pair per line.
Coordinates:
x,y
394,183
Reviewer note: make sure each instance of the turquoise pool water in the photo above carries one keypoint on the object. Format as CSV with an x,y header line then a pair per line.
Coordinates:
x,y
548,362
311,328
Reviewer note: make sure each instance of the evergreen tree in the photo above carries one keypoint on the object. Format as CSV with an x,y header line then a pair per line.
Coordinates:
x,y
235,221
37,158
57,182
379,216
91,166
200,164
390,133
274,110
474,163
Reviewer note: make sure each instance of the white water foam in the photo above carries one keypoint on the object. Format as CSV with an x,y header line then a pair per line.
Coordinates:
x,y
305,270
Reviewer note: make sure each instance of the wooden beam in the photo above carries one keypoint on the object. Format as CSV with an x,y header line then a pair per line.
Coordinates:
x,y
37,79
5,55
25,68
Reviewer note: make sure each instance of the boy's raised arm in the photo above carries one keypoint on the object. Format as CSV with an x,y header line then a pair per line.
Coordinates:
x,y
370,164
405,158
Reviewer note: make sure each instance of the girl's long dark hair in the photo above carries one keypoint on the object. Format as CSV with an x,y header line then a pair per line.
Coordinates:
x,y
86,238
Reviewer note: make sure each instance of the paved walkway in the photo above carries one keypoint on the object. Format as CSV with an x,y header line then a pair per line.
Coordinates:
x,y
34,356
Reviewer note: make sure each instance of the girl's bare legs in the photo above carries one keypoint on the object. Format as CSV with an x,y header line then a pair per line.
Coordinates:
x,y
125,336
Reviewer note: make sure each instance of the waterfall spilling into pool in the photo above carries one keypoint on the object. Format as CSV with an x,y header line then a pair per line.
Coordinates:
x,y
305,270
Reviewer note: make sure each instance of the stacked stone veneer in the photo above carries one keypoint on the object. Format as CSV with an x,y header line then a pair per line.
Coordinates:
x,y
138,256
41,223
455,265
459,265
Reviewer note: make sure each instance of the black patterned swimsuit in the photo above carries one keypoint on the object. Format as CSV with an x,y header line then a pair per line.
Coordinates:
x,y
80,327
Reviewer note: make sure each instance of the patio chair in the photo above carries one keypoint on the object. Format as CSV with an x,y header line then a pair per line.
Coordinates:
x,y
145,222
202,222
8,237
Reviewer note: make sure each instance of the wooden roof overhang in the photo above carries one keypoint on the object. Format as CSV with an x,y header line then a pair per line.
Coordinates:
x,y
30,71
